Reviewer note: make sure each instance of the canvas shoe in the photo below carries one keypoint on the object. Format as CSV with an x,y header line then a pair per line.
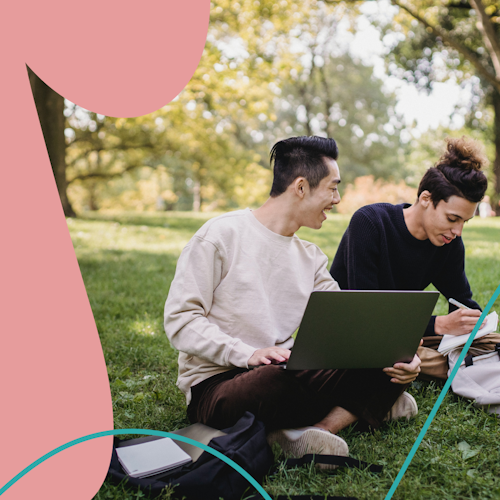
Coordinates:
x,y
405,406
309,440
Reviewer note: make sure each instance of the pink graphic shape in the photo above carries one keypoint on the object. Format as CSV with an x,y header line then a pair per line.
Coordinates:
x,y
109,58
116,57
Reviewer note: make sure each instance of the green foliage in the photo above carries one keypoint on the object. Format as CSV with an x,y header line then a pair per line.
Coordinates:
x,y
339,97
423,57
128,261
456,40
418,49
263,63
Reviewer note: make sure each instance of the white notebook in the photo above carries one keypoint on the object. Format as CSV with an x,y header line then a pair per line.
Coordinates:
x,y
450,342
153,457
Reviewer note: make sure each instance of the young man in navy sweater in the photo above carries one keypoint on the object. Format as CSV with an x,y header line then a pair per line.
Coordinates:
x,y
403,247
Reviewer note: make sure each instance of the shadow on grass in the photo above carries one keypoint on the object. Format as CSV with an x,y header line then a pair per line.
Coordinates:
x,y
175,220
127,293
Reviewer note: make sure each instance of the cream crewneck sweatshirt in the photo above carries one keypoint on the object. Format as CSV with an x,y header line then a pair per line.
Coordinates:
x,y
238,287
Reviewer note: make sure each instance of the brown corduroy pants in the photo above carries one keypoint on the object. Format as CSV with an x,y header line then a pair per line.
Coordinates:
x,y
286,399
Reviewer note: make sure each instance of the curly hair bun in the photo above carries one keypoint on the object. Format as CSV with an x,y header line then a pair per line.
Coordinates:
x,y
457,173
463,153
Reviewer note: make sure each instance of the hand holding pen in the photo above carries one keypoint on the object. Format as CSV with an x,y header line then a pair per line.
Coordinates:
x,y
459,322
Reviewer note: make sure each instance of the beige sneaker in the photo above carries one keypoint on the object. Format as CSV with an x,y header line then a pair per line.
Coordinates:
x,y
405,406
309,440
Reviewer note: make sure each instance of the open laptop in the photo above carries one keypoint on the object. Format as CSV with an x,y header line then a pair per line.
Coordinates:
x,y
361,329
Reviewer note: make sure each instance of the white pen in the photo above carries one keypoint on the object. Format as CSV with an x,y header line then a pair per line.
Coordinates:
x,y
458,304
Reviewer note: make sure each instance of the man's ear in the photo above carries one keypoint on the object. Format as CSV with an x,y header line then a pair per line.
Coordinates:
x,y
425,198
300,186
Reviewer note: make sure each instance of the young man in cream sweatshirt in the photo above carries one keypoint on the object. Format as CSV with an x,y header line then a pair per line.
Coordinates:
x,y
239,293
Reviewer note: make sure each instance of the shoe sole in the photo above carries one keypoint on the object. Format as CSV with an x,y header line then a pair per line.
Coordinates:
x,y
315,442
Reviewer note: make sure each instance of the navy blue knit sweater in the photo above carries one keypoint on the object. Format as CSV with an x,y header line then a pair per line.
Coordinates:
x,y
377,252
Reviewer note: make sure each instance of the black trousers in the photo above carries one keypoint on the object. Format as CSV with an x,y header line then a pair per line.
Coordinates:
x,y
285,399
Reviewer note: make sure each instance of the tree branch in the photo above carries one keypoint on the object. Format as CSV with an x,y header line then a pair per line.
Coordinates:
x,y
489,35
328,101
119,147
106,175
302,90
468,54
239,135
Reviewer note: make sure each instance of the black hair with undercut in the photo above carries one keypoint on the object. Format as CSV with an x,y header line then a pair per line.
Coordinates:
x,y
457,173
301,157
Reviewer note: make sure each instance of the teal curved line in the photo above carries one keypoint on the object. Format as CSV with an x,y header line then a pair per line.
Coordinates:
x,y
115,432
239,469
437,404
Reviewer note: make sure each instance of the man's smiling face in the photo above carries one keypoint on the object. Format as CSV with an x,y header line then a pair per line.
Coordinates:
x,y
321,199
443,223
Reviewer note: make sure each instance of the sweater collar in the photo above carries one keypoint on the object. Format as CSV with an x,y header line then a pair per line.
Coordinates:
x,y
277,238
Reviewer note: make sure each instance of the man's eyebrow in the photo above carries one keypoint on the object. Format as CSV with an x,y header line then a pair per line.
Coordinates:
x,y
336,181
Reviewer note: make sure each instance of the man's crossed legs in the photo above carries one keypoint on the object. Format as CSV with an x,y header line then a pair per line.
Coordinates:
x,y
286,399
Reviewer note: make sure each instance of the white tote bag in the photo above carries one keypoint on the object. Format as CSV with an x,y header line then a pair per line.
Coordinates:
x,y
478,378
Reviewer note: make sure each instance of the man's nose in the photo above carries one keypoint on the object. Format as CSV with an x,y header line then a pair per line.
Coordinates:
x,y
457,231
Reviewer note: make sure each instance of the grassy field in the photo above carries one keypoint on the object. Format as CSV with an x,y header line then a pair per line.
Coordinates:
x,y
128,261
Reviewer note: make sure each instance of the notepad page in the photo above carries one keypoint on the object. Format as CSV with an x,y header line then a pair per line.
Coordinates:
x,y
449,342
149,458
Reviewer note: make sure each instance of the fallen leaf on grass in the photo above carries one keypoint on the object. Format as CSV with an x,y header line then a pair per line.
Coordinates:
x,y
467,451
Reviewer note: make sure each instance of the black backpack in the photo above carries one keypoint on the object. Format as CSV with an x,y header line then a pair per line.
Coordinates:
x,y
209,478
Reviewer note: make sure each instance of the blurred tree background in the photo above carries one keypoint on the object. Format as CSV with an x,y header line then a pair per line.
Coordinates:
x,y
458,40
271,70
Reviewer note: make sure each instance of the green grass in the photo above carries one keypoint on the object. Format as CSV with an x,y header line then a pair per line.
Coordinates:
x,y
128,261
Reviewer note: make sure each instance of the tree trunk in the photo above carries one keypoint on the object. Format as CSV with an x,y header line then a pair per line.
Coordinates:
x,y
327,101
92,199
50,108
196,196
303,92
496,138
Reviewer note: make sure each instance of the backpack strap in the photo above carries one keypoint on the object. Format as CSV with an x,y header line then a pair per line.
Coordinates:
x,y
302,497
333,460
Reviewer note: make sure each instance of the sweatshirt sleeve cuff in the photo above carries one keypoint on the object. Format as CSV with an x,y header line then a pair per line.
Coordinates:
x,y
240,354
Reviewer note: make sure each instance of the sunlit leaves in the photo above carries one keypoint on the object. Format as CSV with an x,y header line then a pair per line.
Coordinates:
x,y
254,82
